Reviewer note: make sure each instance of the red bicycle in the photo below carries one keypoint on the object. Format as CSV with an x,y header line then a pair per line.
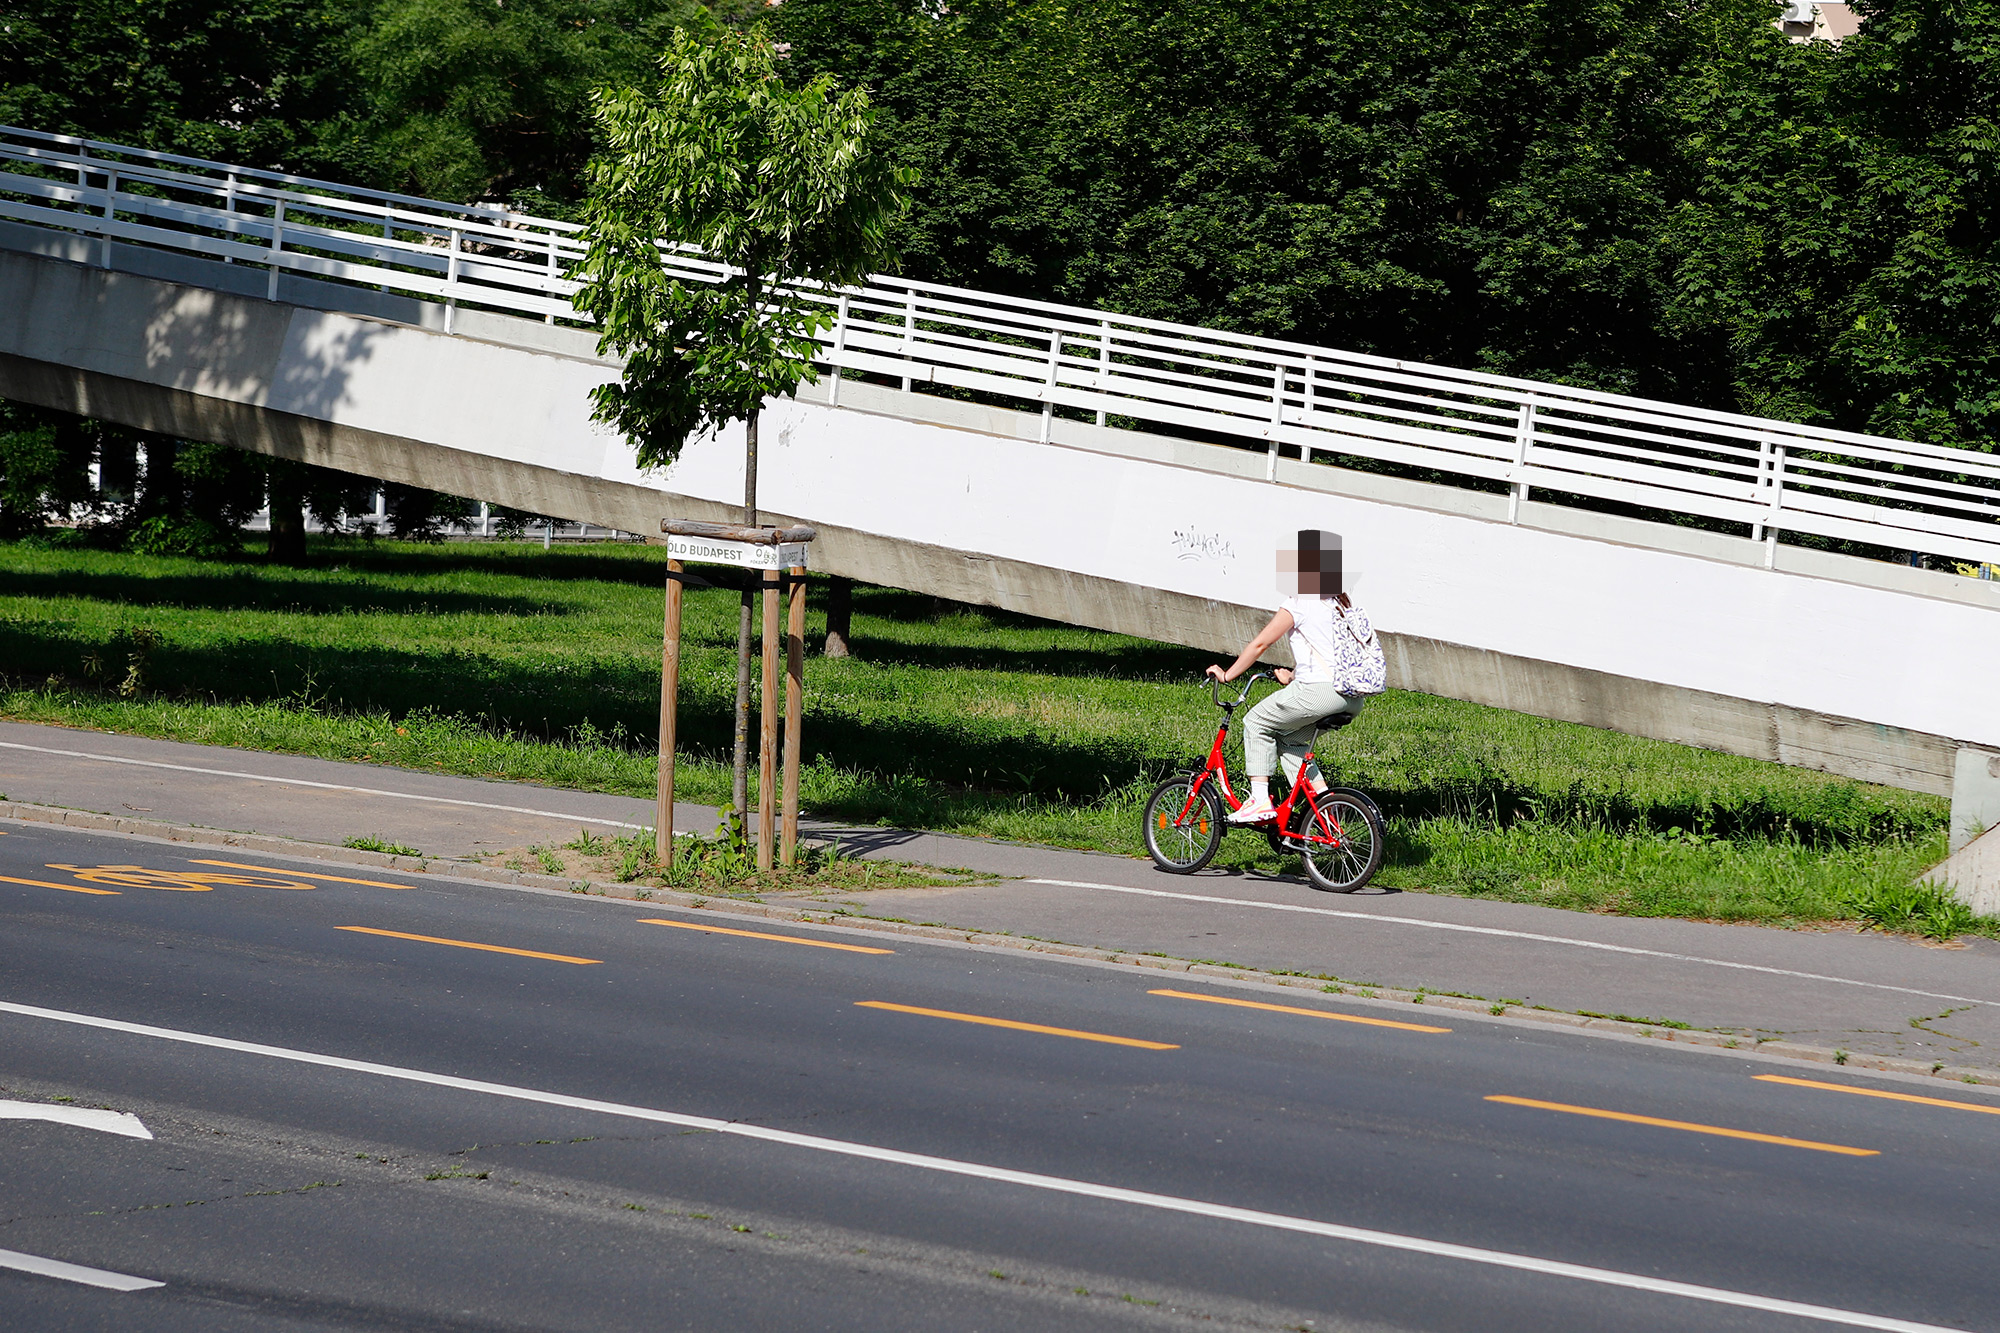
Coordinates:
x,y
1337,832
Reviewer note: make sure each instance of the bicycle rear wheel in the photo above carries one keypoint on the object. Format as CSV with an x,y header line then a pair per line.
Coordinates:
x,y
1182,845
1343,841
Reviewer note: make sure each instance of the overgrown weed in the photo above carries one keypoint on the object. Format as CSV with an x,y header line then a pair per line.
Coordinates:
x,y
725,864
1917,909
374,844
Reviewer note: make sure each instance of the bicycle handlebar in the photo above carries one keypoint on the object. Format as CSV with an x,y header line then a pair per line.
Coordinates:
x,y
1214,685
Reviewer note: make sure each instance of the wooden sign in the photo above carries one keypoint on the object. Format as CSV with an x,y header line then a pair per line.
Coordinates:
x,y
743,555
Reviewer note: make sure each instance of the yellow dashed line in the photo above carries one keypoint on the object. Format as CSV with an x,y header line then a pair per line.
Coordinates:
x,y
1690,1127
1018,1026
1873,1092
1289,1009
759,935
468,944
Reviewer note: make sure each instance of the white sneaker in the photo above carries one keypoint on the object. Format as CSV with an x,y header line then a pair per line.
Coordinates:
x,y
1254,812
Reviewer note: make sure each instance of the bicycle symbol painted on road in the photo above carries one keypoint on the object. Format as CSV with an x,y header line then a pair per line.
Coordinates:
x,y
174,881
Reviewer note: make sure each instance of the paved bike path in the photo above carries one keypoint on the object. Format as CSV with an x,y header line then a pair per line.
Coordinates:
x,y
1863,993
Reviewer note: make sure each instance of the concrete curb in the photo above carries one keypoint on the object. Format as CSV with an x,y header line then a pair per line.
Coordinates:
x,y
1745,1043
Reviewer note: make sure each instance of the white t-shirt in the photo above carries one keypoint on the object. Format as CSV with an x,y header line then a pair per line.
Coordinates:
x,y
1315,620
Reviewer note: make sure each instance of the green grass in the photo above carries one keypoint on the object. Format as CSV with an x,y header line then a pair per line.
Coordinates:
x,y
725,864
508,661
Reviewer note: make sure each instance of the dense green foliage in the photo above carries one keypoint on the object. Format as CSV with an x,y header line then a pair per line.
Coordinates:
x,y
512,662
471,99
460,99
1466,182
1669,199
1841,238
44,468
257,81
161,496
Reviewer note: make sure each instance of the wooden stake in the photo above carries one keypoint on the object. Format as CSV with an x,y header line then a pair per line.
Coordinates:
x,y
767,739
670,685
795,666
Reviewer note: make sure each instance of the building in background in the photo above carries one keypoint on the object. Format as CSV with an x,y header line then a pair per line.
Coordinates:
x,y
1804,21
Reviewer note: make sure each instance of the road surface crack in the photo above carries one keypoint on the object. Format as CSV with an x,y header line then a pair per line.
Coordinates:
x,y
1922,1023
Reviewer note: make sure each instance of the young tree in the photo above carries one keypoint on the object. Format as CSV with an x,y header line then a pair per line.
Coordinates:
x,y
777,183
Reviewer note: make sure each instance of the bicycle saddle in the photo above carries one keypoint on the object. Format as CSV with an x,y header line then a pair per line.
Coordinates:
x,y
1336,721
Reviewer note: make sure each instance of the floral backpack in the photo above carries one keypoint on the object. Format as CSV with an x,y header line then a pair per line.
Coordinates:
x,y
1359,666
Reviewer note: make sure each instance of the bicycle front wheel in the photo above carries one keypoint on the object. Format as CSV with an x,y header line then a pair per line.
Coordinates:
x,y
1183,824
1342,840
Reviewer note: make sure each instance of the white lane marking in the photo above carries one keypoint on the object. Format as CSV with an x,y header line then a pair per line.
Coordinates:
x,y
110,1122
91,1277
1056,1184
322,786
1509,934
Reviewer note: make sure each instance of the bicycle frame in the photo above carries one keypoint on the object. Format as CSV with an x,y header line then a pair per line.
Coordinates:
x,y
1217,767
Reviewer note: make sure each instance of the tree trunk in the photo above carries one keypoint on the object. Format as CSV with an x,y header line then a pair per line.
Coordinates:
x,y
117,465
839,612
287,541
739,762
161,492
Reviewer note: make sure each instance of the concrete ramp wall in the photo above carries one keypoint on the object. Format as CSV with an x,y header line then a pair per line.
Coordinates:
x,y
1849,666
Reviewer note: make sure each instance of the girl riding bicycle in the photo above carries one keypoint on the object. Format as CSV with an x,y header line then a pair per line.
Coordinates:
x,y
1339,663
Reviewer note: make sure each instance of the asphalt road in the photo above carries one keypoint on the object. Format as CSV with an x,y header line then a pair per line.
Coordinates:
x,y
1831,990
598,1121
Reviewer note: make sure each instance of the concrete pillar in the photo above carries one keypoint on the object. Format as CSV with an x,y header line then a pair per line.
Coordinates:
x,y
1975,794
839,614
1972,874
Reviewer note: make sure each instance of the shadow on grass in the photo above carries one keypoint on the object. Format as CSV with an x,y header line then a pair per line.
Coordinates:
x,y
615,700
267,590
1116,655
554,697
990,762
1134,661
617,563
306,589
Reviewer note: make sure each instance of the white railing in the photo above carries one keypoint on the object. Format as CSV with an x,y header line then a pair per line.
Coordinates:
x,y
1456,426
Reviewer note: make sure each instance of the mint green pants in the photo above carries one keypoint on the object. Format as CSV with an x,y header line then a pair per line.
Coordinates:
x,y
1287,722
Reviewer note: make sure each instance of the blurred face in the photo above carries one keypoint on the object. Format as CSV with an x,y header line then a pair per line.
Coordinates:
x,y
1310,568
